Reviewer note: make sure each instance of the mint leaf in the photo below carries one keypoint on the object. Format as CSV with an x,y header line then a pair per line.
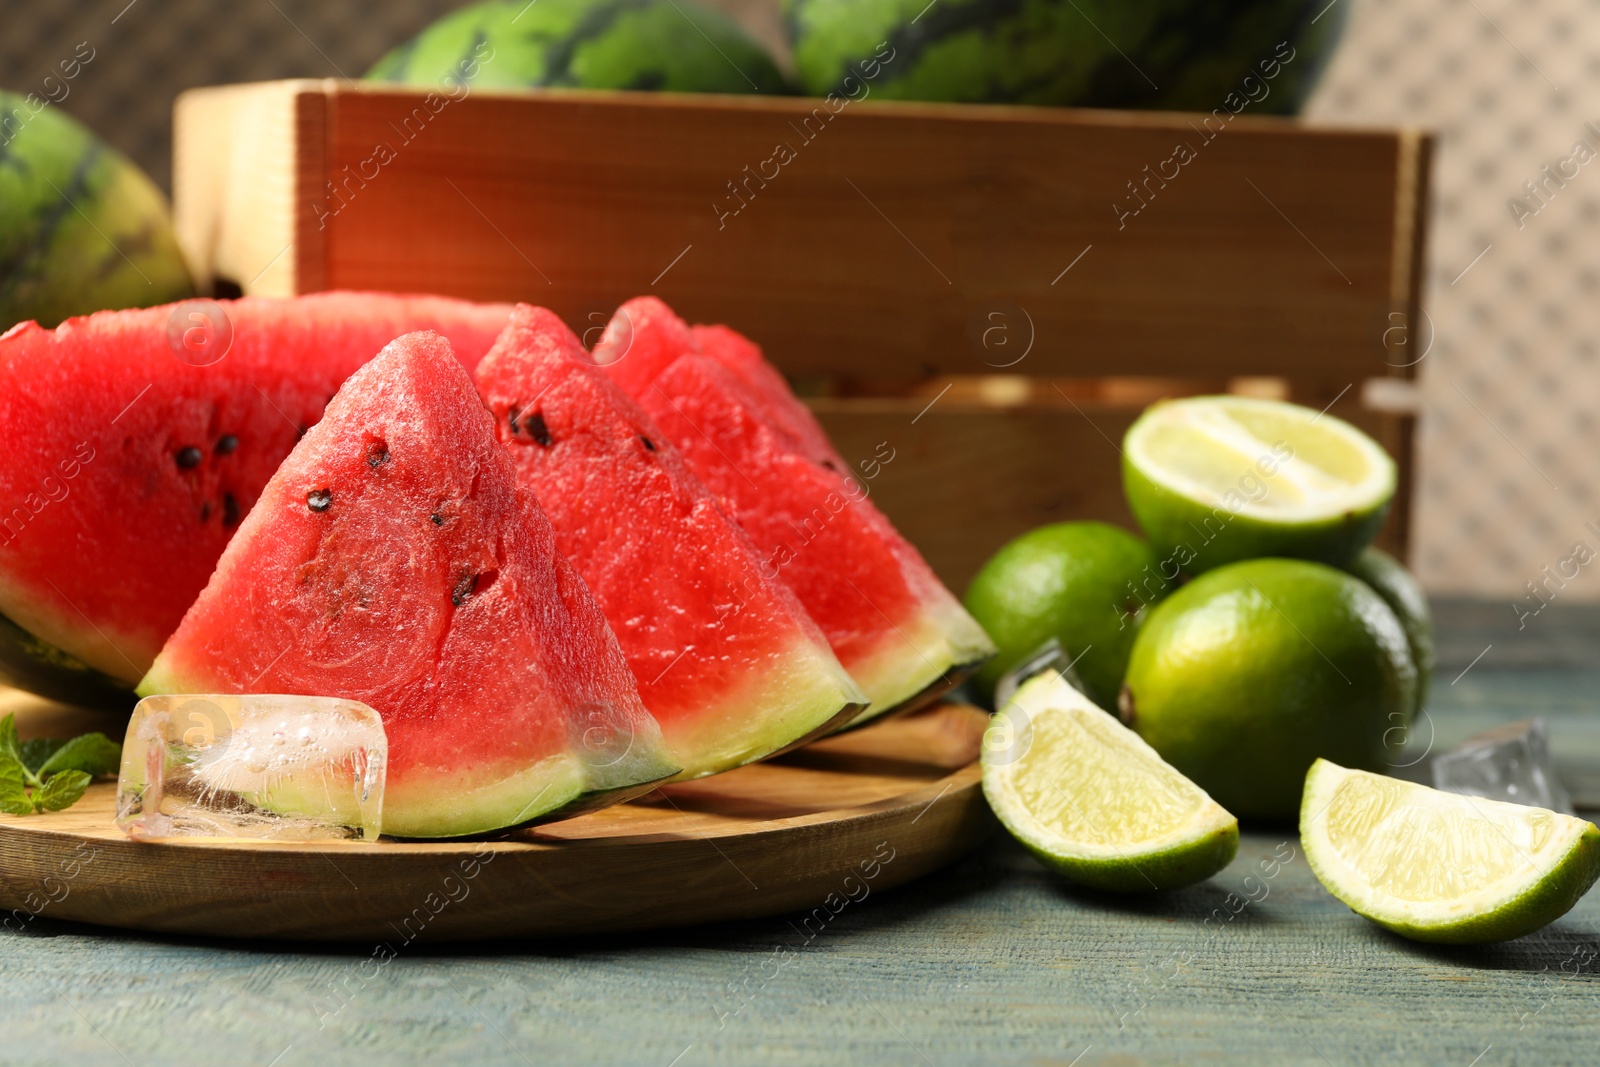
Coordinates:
x,y
8,737
13,793
61,790
93,754
33,753
59,771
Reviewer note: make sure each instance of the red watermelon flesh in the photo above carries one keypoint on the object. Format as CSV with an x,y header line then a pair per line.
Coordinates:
x,y
393,559
128,467
642,339
726,658
780,408
896,629
645,336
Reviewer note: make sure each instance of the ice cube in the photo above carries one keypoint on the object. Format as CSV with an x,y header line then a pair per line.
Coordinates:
x,y
1049,656
1510,762
284,767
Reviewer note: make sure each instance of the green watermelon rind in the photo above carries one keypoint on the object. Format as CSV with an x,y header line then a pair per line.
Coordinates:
x,y
561,785
736,737
648,45
569,791
946,647
81,227
32,664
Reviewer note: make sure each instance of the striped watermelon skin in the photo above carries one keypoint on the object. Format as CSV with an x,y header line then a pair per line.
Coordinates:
x,y
1184,55
81,227
1200,51
662,45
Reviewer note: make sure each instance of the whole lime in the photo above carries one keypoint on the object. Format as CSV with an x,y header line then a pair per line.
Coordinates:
x,y
1084,584
1245,676
81,228
1389,577
664,45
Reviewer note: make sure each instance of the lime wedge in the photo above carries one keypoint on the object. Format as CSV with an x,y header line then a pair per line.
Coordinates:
x,y
1435,866
1088,797
1215,479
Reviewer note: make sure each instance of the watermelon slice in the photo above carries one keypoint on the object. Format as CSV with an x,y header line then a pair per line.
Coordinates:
x,y
134,452
780,408
897,630
645,336
726,658
393,560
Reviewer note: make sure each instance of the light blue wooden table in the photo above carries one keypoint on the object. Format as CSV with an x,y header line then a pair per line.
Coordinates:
x,y
990,961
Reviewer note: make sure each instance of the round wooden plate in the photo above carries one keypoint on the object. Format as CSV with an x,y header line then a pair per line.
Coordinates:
x,y
817,829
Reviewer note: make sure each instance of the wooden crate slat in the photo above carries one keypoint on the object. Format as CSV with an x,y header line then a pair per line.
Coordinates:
x,y
888,237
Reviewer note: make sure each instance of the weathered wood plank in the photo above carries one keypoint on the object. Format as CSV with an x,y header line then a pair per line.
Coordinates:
x,y
991,961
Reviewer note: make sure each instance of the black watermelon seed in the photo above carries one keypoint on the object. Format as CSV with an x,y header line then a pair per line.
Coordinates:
x,y
205,510
188,457
648,444
319,499
377,457
230,510
463,589
536,428
226,444
438,519
831,465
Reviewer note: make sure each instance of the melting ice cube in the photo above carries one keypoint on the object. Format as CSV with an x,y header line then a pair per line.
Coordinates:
x,y
1049,656
1510,762
286,767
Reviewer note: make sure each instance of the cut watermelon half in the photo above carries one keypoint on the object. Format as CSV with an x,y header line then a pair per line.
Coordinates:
x,y
393,560
897,630
138,441
726,658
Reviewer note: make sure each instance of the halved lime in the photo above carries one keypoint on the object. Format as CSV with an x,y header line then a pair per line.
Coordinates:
x,y
1435,866
1084,794
1214,479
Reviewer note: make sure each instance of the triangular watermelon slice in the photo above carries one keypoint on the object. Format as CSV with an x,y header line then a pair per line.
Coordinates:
x,y
645,337
726,658
897,630
136,443
393,559
780,408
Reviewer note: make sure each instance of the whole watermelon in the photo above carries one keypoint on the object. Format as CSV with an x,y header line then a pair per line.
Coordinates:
x,y
1182,55
81,227
670,45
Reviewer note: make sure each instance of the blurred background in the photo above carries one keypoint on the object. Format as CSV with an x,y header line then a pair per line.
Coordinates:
x,y
1509,381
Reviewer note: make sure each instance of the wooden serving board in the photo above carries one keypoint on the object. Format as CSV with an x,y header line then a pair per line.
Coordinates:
x,y
820,828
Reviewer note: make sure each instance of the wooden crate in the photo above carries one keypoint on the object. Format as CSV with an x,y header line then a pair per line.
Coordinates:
x,y
892,258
